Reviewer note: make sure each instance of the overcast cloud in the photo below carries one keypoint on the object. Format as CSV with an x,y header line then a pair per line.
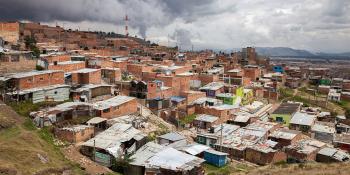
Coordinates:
x,y
316,25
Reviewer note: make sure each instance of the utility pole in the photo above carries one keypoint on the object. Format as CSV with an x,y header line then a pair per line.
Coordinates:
x,y
222,128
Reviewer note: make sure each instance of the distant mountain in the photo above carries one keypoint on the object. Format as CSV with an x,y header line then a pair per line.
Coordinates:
x,y
345,54
289,52
283,51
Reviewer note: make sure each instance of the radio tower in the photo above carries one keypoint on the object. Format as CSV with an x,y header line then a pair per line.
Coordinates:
x,y
126,26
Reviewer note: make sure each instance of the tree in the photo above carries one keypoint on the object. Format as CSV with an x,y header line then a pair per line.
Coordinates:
x,y
30,43
121,163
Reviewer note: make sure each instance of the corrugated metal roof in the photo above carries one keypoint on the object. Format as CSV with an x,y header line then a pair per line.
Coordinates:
x,y
111,139
212,86
300,118
145,152
115,101
195,149
173,136
206,118
173,159
32,73
96,120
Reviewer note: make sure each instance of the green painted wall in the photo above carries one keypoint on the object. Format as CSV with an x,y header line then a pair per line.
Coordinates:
x,y
286,118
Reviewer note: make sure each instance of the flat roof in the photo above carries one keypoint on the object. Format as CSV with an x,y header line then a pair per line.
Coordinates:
x,y
32,73
284,134
173,136
68,62
96,120
212,86
300,118
115,101
173,159
85,70
287,108
206,118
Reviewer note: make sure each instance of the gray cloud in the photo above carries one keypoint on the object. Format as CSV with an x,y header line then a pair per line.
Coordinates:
x,y
142,13
221,24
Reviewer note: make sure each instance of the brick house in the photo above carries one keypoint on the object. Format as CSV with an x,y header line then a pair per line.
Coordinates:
x,y
303,150
213,88
67,66
116,106
263,154
35,79
285,137
75,134
86,76
10,31
111,75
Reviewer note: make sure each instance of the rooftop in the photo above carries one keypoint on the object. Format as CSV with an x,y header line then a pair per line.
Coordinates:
x,y
173,136
325,127
287,108
68,62
213,86
284,134
206,118
111,139
112,102
301,118
76,128
173,159
32,73
85,70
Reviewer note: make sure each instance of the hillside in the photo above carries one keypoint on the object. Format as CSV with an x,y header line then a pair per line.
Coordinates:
x,y
283,51
26,150
290,52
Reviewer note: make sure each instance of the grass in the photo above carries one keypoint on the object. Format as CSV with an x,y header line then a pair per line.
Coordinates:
x,y
213,170
22,144
188,119
344,104
230,168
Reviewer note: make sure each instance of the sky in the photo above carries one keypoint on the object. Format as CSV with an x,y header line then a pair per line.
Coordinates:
x,y
314,25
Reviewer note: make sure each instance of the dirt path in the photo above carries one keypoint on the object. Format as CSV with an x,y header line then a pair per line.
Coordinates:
x,y
72,153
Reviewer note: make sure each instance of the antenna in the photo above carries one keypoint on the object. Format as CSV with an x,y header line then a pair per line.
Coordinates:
x,y
168,40
126,25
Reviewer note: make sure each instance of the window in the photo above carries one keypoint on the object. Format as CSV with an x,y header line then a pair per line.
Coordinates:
x,y
279,119
106,110
55,92
41,79
29,80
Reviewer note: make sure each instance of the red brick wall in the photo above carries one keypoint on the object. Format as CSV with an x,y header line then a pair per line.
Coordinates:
x,y
223,115
40,80
75,137
57,58
10,31
205,79
346,85
68,67
124,109
87,78
190,97
261,158
252,73
323,90
345,97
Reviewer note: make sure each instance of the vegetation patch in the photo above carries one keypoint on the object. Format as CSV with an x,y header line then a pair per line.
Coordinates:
x,y
188,119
